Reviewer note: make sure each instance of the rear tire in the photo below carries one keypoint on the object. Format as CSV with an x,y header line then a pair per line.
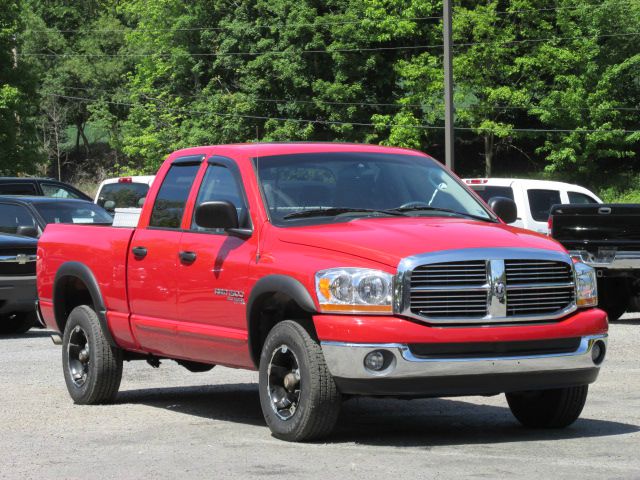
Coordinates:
x,y
298,396
614,297
557,408
18,323
92,367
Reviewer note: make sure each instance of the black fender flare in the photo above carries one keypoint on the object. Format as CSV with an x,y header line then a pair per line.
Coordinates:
x,y
85,275
277,284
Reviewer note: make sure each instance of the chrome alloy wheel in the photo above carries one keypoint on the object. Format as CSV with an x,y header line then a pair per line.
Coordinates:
x,y
78,355
284,382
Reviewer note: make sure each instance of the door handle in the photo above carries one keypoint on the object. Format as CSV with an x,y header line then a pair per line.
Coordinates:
x,y
187,257
139,252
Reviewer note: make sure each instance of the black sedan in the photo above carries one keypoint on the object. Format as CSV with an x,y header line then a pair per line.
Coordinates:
x,y
22,221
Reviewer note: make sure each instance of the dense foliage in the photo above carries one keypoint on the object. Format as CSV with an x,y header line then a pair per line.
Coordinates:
x,y
540,85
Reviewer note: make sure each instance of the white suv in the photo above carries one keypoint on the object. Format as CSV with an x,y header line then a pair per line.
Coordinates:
x,y
533,198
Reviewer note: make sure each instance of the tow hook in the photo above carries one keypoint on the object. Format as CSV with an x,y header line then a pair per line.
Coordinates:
x,y
56,339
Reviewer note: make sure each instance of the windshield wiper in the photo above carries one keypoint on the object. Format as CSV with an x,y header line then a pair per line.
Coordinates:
x,y
439,209
333,211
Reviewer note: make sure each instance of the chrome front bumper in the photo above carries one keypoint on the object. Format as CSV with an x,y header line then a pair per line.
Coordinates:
x,y
465,375
614,260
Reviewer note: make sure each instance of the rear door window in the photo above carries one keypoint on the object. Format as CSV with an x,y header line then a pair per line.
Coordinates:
x,y
54,190
14,216
172,196
540,202
580,198
122,195
18,189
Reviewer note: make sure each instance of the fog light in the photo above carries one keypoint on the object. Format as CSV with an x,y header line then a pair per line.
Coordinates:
x,y
374,361
597,352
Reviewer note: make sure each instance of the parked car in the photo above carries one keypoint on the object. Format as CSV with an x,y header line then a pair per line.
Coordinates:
x,y
606,237
123,192
17,281
22,221
333,270
533,198
27,216
46,187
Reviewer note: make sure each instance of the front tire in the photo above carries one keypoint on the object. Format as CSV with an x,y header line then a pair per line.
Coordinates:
x,y
92,367
298,396
557,408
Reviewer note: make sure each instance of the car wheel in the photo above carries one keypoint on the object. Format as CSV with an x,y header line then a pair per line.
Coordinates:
x,y
557,408
92,367
18,323
298,396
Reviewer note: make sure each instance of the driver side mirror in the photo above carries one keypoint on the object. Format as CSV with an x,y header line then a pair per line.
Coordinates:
x,y
504,208
220,214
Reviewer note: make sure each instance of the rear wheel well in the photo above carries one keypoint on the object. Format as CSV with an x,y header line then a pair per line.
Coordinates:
x,y
267,311
70,293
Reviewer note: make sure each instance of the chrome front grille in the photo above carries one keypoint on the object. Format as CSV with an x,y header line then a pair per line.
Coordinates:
x,y
486,286
538,287
450,289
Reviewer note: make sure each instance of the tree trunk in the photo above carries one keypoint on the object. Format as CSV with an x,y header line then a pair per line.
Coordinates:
x,y
488,154
85,141
77,139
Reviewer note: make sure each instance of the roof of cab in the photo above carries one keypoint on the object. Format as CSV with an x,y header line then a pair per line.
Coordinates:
x,y
267,149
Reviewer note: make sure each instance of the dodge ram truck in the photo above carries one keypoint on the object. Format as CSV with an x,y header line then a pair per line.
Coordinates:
x,y
334,270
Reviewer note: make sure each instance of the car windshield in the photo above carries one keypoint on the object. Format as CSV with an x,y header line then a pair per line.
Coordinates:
x,y
122,195
80,212
329,187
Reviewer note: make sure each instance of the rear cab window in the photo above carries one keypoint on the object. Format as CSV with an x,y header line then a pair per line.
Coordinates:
x,y
540,202
122,195
489,191
171,200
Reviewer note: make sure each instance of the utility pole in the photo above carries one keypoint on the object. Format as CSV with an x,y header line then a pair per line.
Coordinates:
x,y
448,84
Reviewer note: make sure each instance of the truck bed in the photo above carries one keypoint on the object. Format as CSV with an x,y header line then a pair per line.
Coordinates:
x,y
101,248
597,228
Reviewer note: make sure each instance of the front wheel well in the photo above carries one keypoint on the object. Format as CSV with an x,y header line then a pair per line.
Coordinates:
x,y
268,310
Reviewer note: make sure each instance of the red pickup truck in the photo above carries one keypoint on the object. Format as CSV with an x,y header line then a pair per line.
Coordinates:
x,y
335,270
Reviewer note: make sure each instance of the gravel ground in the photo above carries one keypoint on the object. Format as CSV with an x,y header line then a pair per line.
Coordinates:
x,y
169,422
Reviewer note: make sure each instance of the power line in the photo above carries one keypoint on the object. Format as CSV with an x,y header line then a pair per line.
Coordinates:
x,y
366,104
311,24
325,51
190,112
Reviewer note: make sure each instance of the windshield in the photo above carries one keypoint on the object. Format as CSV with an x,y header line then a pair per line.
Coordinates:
x,y
328,187
122,195
80,212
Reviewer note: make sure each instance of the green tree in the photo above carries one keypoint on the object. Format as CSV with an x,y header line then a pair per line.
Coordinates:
x,y
18,142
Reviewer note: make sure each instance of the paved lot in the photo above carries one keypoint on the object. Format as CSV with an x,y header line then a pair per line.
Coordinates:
x,y
169,422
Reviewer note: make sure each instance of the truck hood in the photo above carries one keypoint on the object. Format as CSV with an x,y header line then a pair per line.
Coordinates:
x,y
388,240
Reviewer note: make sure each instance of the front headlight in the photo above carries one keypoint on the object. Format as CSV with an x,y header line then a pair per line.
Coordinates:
x,y
354,290
586,285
